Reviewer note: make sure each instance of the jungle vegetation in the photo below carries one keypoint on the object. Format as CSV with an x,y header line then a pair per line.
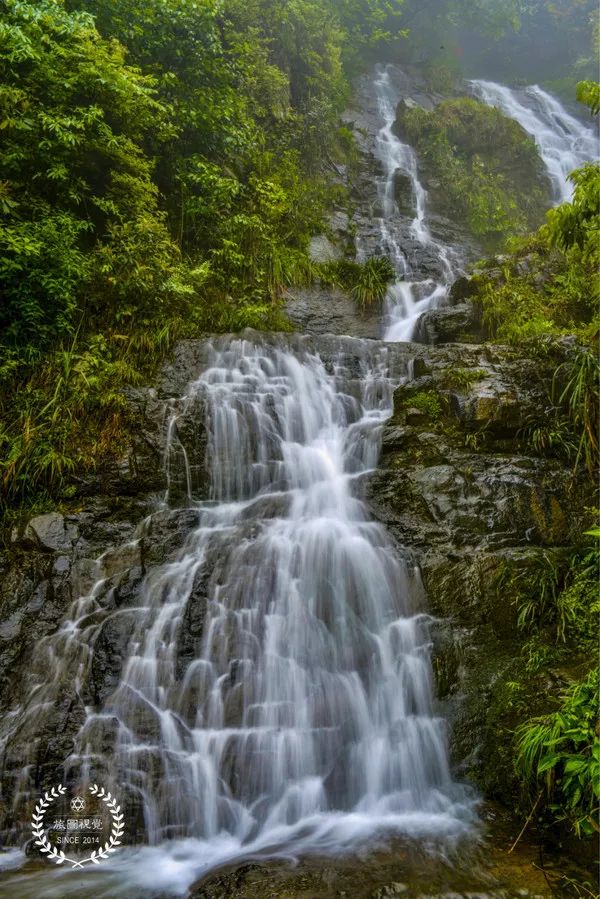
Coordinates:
x,y
164,164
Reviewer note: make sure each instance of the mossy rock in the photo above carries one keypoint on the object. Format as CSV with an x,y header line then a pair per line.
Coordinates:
x,y
480,167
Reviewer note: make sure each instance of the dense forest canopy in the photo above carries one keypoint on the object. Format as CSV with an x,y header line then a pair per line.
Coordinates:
x,y
155,149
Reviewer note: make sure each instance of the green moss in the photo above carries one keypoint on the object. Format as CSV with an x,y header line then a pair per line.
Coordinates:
x,y
478,165
462,378
428,402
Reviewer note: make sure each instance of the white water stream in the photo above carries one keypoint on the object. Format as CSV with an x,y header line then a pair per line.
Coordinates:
x,y
410,296
304,723
564,143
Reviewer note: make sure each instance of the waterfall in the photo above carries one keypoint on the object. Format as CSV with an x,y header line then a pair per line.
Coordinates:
x,y
302,719
563,141
410,296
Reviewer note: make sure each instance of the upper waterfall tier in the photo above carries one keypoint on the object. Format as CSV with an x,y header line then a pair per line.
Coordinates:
x,y
563,141
414,292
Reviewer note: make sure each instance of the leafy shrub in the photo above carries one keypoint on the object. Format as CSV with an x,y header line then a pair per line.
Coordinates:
x,y
557,593
588,92
575,226
549,286
561,751
428,402
462,378
79,207
374,278
66,415
580,398
568,425
367,282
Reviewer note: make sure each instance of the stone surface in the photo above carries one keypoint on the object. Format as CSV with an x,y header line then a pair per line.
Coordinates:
x,y
317,311
403,194
398,871
449,324
457,486
365,224
321,249
49,532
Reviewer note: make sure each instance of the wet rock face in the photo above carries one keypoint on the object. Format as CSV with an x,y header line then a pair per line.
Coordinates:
x,y
459,485
364,224
449,324
402,872
318,311
50,532
52,560
403,194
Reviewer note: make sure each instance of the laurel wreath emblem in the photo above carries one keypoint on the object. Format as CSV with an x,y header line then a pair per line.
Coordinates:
x,y
57,855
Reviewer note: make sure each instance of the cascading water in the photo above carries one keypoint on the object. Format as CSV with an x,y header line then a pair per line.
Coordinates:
x,y
410,296
563,141
274,697
304,720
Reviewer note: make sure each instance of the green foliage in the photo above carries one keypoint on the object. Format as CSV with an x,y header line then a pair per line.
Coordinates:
x,y
580,398
462,378
588,92
121,183
428,402
78,205
42,267
575,226
368,281
549,286
479,164
374,278
557,594
567,427
47,434
562,752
